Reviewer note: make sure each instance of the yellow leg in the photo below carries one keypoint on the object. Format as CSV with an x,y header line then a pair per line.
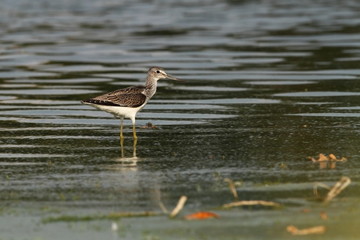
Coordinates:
x,y
121,129
121,137
134,147
122,147
134,132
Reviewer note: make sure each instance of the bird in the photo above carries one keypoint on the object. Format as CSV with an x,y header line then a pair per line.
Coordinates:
x,y
127,102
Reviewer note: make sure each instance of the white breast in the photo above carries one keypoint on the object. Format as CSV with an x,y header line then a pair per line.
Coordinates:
x,y
127,112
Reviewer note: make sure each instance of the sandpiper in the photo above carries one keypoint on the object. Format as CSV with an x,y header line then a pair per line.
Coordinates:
x,y
129,101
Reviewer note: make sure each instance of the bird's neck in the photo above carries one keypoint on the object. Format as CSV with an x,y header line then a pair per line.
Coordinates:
x,y
150,86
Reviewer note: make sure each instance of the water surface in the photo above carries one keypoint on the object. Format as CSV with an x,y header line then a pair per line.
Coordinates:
x,y
268,83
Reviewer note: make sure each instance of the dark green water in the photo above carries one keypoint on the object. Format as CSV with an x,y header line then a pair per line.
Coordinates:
x,y
268,83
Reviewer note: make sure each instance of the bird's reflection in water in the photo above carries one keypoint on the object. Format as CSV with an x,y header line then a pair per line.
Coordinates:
x,y
129,162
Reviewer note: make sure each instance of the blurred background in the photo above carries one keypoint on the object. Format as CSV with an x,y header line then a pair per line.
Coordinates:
x,y
268,84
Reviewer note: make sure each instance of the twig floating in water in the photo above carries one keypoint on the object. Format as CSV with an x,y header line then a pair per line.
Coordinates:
x,y
251,203
179,206
313,230
337,188
232,187
334,191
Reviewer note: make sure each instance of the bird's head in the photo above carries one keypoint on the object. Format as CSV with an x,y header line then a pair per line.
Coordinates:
x,y
158,73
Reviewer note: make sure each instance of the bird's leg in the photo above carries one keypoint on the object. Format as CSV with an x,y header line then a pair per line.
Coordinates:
x,y
134,128
121,129
134,132
122,147
121,137
134,147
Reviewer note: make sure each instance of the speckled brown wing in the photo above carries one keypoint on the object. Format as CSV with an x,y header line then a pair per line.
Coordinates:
x,y
127,97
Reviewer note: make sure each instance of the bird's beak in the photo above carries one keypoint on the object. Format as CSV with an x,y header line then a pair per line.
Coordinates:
x,y
168,76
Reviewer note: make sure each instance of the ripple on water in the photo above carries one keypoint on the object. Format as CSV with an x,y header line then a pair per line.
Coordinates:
x,y
210,88
347,108
317,94
13,74
38,102
280,83
4,98
32,155
223,101
12,85
272,76
328,114
80,68
47,92
62,80
12,163
14,59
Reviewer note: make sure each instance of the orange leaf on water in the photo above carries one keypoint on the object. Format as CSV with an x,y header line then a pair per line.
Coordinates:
x,y
324,216
201,216
312,230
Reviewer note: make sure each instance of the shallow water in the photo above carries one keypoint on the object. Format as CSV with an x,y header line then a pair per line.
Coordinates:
x,y
268,83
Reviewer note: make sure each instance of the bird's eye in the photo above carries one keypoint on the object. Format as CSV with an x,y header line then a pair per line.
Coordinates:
x,y
157,71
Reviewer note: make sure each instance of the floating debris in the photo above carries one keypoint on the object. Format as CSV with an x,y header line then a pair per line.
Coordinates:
x,y
324,216
114,226
327,161
334,191
305,210
307,231
149,125
337,188
251,203
201,216
244,203
282,166
179,206
232,187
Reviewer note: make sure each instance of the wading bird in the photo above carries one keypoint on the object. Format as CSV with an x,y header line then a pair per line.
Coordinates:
x,y
129,101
